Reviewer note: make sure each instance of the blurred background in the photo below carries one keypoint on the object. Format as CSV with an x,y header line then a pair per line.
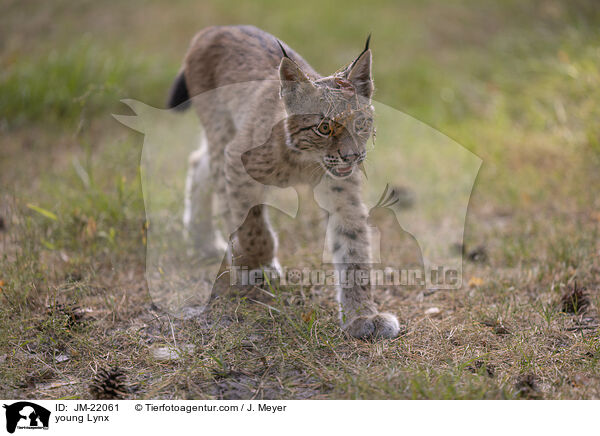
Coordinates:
x,y
517,83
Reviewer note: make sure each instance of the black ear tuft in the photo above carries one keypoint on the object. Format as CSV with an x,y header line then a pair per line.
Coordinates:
x,y
285,55
361,53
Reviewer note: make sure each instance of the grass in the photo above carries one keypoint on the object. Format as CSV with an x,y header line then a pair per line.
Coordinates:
x,y
516,84
64,86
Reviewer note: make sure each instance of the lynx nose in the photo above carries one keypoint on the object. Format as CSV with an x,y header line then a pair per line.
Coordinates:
x,y
349,157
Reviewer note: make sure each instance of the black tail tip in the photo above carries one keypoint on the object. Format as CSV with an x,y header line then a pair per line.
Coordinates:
x,y
179,96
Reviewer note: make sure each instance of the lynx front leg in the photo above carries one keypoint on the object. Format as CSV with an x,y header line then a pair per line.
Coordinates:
x,y
348,239
254,243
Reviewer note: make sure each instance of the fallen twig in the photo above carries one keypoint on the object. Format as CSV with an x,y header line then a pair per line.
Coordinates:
x,y
583,327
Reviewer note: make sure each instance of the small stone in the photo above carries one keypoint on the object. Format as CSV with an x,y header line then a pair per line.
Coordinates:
x,y
433,312
61,358
164,354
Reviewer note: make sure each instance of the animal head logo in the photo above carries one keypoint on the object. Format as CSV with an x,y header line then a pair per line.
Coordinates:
x,y
26,415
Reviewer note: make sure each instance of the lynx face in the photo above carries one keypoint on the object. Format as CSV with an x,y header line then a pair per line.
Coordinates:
x,y
331,119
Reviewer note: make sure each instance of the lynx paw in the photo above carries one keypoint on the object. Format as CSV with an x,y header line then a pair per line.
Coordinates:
x,y
273,272
377,326
275,266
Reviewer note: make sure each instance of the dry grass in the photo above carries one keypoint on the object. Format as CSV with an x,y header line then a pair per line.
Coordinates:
x,y
74,300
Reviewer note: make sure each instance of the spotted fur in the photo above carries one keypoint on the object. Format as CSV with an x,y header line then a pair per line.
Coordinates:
x,y
289,126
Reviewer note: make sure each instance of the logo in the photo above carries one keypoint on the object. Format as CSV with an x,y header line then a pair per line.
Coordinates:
x,y
26,415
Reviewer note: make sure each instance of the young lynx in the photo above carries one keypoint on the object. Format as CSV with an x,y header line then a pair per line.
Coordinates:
x,y
270,119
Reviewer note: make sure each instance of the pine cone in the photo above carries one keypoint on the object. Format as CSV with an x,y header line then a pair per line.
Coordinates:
x,y
575,300
109,384
73,314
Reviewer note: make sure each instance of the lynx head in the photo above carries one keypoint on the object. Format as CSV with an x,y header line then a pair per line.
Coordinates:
x,y
329,119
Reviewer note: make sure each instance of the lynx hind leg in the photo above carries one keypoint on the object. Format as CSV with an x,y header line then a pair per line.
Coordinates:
x,y
197,217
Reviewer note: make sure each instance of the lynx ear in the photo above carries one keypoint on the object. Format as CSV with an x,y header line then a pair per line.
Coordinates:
x,y
360,74
289,71
294,83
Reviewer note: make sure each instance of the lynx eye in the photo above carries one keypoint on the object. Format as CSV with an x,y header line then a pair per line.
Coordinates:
x,y
325,128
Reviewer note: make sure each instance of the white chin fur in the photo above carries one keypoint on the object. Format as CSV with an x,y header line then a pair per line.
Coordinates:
x,y
336,176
